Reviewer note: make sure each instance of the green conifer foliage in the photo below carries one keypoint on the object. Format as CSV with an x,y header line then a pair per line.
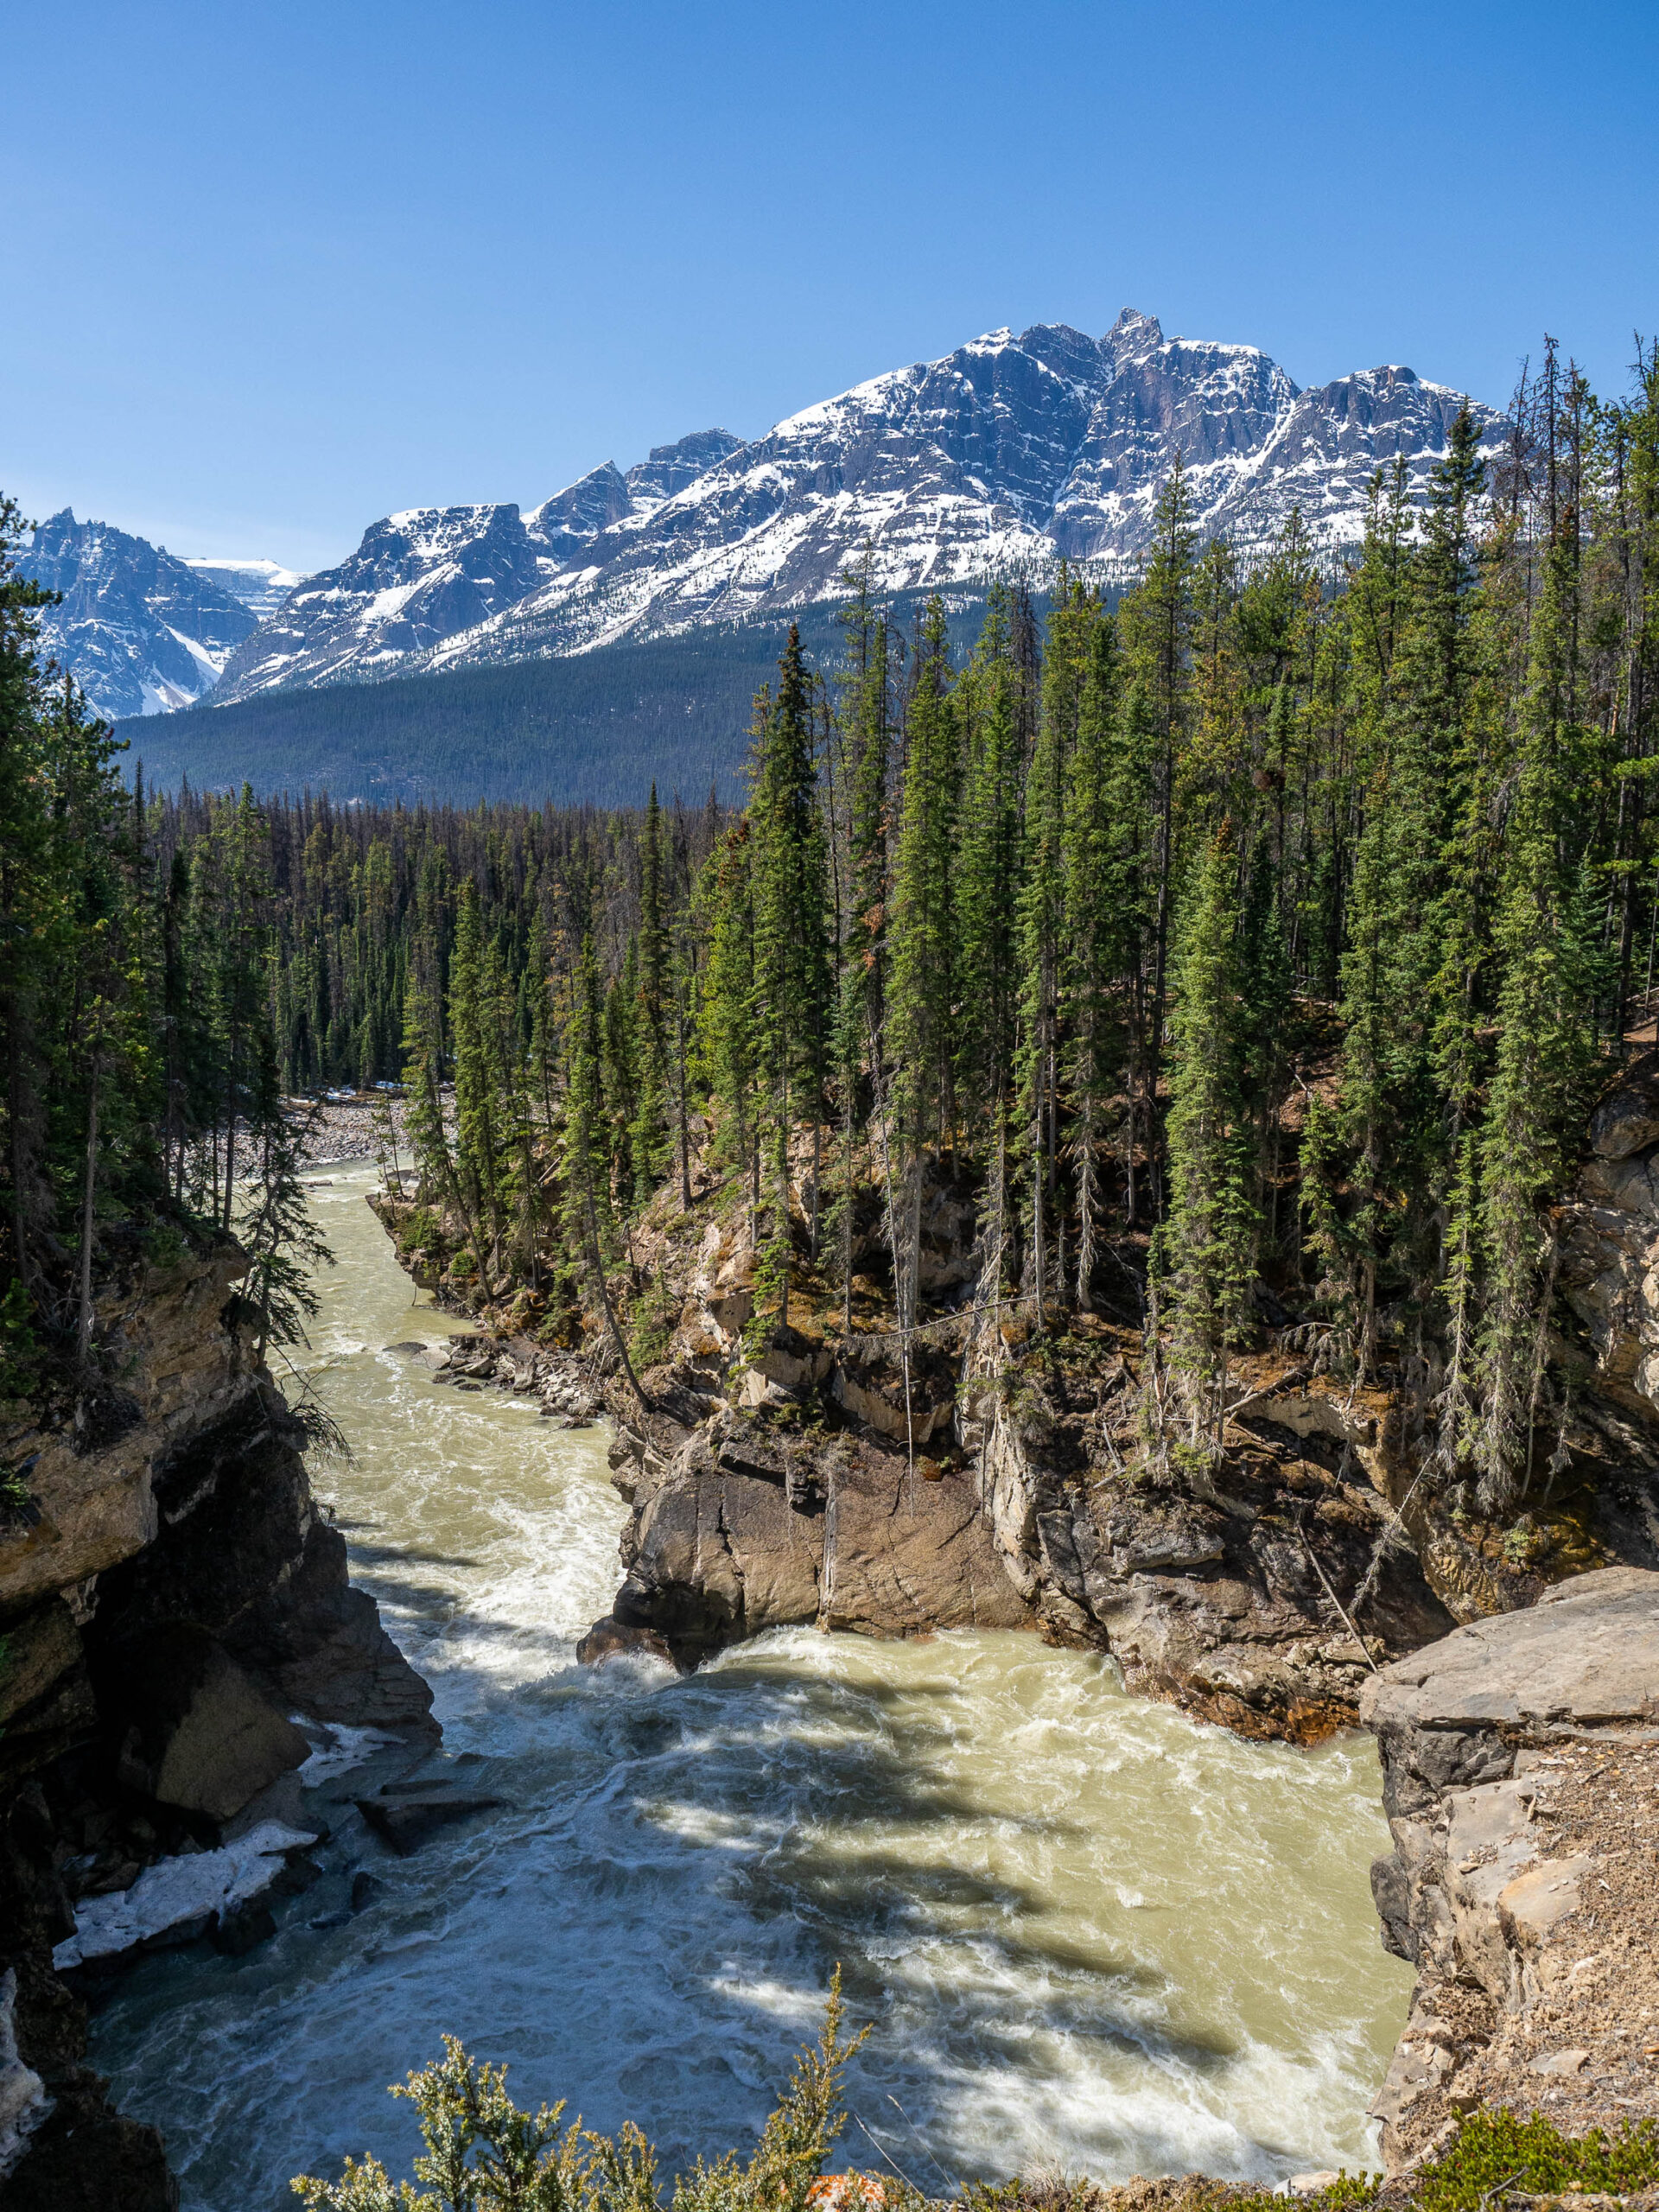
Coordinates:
x,y
651,1136
989,856
791,996
1534,1108
1207,1239
1102,820
483,1114
922,974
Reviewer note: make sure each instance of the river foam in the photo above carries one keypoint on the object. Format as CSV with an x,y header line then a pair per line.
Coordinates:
x,y
1088,1932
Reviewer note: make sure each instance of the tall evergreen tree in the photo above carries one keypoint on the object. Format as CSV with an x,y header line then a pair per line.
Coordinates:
x,y
1206,1241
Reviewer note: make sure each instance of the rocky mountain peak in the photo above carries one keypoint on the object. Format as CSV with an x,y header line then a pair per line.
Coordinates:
x,y
669,469
1002,456
140,631
1133,336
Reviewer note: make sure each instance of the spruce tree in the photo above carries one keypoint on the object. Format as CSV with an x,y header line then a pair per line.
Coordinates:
x,y
1535,1106
652,1141
920,1030
790,999
1100,897
1205,1254
987,886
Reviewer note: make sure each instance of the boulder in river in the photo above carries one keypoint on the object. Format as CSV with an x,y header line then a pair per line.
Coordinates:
x,y
404,1815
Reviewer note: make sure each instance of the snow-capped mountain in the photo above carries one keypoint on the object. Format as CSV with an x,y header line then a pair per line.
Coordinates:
x,y
433,574
1008,453
141,632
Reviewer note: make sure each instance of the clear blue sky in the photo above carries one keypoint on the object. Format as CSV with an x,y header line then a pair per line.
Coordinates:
x,y
272,272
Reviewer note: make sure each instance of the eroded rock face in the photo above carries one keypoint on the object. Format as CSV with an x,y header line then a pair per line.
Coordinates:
x,y
1228,1604
1521,1779
168,1601
738,1527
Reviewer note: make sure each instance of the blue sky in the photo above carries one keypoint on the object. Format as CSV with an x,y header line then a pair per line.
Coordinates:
x,y
273,272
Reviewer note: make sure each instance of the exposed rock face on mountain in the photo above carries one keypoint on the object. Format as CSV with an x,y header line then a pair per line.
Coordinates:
x,y
1008,453
417,579
422,579
140,632
176,1629
738,1527
1521,1779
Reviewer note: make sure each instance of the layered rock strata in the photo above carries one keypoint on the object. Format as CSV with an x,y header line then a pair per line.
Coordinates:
x,y
176,1629
1521,1779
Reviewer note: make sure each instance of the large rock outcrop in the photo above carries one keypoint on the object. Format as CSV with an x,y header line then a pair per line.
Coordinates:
x,y
172,1607
1259,1599
738,1526
1521,1779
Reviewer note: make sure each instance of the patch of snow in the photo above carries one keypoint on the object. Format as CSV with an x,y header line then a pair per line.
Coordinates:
x,y
344,1750
178,1899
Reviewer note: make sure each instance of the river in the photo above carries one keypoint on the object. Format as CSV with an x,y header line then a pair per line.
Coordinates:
x,y
1089,1933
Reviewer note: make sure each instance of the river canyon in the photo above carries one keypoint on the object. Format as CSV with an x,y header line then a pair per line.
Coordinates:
x,y
1089,1931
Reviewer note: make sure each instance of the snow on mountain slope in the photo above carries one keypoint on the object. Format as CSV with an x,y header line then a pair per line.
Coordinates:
x,y
261,585
417,578
1009,452
141,632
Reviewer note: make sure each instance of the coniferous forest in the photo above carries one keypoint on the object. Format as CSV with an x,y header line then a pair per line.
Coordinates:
x,y
1245,955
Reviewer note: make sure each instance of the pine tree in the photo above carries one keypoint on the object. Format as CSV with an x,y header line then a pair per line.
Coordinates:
x,y
1538,1092
590,1220
1206,1240
651,1138
1100,902
790,998
482,1114
861,1000
725,1035
987,888
1155,623
920,1033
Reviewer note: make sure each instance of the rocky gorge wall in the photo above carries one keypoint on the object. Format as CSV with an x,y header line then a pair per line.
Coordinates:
x,y
775,1485
177,1631
1521,1779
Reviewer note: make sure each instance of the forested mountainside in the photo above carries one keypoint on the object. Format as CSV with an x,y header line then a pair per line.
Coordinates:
x,y
141,1077
590,728
1242,961
1003,456
141,632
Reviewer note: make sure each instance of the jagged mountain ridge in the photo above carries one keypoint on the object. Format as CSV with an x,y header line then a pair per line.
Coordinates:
x,y
1010,452
428,574
141,632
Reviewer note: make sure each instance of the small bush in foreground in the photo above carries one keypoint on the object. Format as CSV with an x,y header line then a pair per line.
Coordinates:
x,y
484,2155
1496,2150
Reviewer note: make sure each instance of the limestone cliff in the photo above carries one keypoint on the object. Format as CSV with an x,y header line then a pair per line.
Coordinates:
x,y
1520,1766
172,1607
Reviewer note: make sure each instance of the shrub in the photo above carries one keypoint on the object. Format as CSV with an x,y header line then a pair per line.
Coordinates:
x,y
484,2155
651,1328
1498,2149
421,1231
